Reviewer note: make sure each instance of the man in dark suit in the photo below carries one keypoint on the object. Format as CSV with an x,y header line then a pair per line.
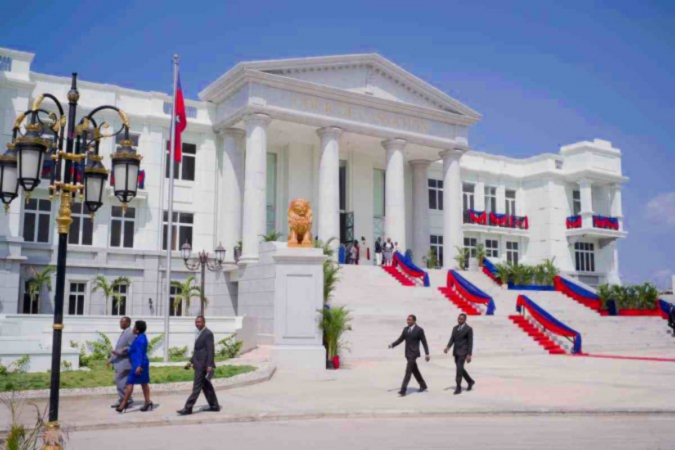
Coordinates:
x,y
413,334
203,362
462,339
671,318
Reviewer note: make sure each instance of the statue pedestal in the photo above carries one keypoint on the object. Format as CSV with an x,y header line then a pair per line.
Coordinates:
x,y
298,300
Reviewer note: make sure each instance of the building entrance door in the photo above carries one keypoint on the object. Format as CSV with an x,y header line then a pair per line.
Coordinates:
x,y
346,217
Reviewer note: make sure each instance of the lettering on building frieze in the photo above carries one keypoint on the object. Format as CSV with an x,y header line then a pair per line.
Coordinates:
x,y
363,114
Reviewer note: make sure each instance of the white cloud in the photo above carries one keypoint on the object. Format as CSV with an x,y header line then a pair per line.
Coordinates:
x,y
661,208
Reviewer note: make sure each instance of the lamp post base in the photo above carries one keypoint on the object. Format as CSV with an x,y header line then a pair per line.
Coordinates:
x,y
52,436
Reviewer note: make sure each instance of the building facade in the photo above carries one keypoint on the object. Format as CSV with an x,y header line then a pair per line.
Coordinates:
x,y
377,151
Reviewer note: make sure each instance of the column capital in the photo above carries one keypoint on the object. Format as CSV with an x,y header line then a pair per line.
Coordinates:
x,y
235,132
261,120
394,144
420,163
616,186
585,182
329,132
452,153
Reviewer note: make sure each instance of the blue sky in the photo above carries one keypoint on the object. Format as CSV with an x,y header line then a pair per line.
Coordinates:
x,y
542,73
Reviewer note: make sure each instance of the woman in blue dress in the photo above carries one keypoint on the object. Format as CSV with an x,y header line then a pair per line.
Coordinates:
x,y
140,368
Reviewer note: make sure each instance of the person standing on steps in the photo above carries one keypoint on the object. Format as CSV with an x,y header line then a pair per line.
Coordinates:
x,y
119,358
413,335
203,362
462,339
378,252
671,318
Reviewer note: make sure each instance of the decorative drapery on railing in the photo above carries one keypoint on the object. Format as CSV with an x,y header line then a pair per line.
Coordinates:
x,y
410,269
490,270
609,223
573,222
583,296
549,322
664,308
477,217
495,219
470,292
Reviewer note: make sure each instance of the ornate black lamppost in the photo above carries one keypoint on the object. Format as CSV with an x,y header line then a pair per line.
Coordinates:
x,y
76,169
202,262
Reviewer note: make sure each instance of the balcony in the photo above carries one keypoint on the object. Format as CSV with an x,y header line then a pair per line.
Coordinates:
x,y
606,228
482,221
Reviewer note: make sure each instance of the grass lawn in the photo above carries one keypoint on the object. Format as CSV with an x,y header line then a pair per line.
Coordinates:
x,y
185,359
100,376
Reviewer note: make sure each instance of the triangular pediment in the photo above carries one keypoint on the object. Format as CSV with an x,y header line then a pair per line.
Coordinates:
x,y
367,74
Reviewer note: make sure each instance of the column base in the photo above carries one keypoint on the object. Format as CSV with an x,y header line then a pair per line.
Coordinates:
x,y
299,357
245,260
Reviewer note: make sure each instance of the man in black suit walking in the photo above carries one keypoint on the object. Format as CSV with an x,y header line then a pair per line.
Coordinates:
x,y
413,334
203,362
462,339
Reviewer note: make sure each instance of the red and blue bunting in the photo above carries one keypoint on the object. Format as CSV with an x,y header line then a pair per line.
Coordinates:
x,y
470,292
410,269
664,308
573,222
609,223
478,217
499,220
490,270
583,296
549,322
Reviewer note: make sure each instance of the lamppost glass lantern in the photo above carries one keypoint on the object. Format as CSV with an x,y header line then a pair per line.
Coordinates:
x,y
220,253
95,177
125,164
30,151
186,250
9,185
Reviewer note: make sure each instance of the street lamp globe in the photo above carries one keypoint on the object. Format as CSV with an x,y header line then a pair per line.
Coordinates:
x,y
125,164
9,185
220,252
30,151
95,177
187,250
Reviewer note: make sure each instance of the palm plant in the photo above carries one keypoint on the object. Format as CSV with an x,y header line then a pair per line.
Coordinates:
x,y
520,274
431,260
648,294
39,281
604,292
334,322
186,292
110,290
551,271
481,254
504,272
462,257
272,236
539,274
331,268
620,295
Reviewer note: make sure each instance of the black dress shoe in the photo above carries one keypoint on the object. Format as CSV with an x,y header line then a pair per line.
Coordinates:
x,y
458,390
115,405
470,385
184,412
401,394
422,389
215,408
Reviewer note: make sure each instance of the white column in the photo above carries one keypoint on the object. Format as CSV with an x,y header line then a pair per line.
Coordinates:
x,y
586,194
479,196
329,185
421,243
394,192
255,183
613,276
616,207
452,206
501,199
232,182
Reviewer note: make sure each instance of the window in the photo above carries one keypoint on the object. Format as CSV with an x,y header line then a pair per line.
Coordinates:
x,y
576,203
510,202
82,228
492,248
5,64
119,304
437,246
122,227
468,195
471,244
190,111
174,309
436,194
30,306
584,256
271,192
181,229
184,170
490,199
133,137
36,220
378,193
76,299
512,252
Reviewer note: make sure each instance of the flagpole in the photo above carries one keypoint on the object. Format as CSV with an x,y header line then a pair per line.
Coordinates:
x,y
169,231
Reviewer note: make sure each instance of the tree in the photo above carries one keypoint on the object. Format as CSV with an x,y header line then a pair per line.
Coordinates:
x,y
481,254
462,257
186,292
110,290
39,281
331,268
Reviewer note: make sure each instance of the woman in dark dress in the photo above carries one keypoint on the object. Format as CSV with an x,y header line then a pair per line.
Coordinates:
x,y
140,368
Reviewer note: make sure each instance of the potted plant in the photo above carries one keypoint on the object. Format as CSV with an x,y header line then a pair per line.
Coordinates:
x,y
430,260
334,322
504,271
481,254
462,257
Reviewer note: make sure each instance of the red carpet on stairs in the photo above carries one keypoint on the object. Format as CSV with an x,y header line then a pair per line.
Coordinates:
x,y
394,272
458,301
539,336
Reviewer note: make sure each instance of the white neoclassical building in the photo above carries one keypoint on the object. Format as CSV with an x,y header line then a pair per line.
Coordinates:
x,y
377,151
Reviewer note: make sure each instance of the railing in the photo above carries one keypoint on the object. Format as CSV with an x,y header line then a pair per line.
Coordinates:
x,y
411,269
470,292
607,223
490,270
496,220
573,222
550,323
576,292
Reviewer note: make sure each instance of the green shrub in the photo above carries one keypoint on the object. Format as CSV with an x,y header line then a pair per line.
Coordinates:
x,y
334,322
630,296
99,350
153,343
20,365
177,352
229,347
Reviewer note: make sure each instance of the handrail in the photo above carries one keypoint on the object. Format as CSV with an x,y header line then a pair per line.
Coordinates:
x,y
549,322
410,269
583,296
470,292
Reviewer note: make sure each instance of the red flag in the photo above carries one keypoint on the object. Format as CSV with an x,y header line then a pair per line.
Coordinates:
x,y
181,121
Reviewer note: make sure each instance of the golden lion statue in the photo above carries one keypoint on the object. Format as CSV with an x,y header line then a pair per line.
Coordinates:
x,y
300,223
